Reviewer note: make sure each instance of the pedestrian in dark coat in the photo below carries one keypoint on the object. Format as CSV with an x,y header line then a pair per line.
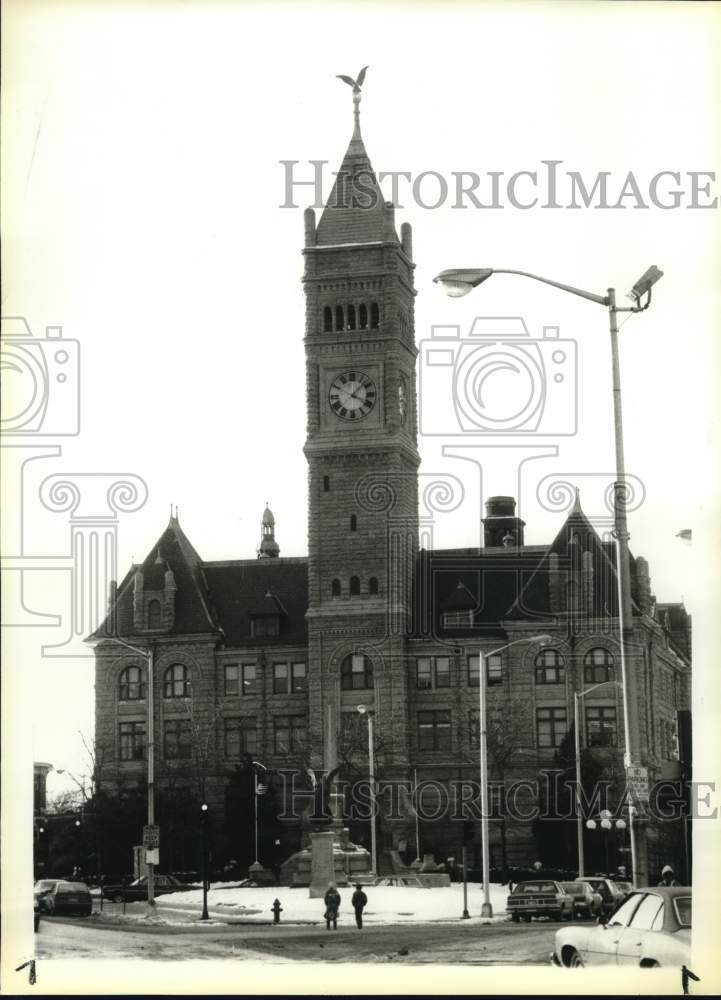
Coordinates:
x,y
332,902
359,900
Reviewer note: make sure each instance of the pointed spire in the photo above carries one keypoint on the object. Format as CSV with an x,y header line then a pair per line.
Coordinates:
x,y
269,548
576,509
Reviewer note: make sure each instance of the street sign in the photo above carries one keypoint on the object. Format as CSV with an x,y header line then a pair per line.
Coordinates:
x,y
152,856
637,780
151,837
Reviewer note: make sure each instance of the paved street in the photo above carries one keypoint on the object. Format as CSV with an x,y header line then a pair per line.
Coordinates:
x,y
453,943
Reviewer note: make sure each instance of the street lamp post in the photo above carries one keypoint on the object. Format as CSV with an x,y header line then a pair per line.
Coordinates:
x,y
486,907
461,281
368,712
204,857
577,695
148,656
256,793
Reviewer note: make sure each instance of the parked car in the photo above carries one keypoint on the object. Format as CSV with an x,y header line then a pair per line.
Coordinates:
x,y
651,927
69,897
42,888
138,890
545,898
587,903
407,880
610,895
624,888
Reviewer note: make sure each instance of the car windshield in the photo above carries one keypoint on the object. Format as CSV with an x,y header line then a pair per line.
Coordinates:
x,y
575,888
682,906
71,887
45,883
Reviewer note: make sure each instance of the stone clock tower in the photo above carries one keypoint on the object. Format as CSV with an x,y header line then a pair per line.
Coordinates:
x,y
363,462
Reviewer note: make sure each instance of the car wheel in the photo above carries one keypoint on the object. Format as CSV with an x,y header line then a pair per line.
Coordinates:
x,y
574,960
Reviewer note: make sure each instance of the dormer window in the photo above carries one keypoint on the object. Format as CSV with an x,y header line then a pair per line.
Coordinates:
x,y
458,619
267,626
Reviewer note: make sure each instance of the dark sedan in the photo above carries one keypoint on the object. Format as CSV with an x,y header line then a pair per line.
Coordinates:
x,y
68,897
542,898
138,890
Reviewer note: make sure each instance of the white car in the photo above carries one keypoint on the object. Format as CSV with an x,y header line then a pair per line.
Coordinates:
x,y
651,927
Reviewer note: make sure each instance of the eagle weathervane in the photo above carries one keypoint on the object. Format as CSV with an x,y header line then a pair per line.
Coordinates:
x,y
356,85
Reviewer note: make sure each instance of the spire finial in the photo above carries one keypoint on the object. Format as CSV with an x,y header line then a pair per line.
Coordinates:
x,y
576,509
356,85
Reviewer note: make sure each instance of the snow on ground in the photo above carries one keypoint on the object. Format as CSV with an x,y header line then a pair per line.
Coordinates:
x,y
386,904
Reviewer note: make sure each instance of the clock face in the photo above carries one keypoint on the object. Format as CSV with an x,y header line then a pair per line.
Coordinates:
x,y
352,395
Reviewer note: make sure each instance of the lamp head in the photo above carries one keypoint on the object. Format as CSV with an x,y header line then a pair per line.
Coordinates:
x,y
606,824
620,824
457,282
644,284
591,824
362,709
204,807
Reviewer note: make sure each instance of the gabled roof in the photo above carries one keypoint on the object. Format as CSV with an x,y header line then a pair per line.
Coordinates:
x,y
193,609
356,211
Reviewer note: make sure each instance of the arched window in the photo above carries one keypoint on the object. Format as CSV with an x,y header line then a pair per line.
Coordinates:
x,y
339,325
176,681
335,588
373,586
354,586
356,673
327,319
598,666
550,667
363,317
351,317
131,684
353,522
155,614
375,316
326,484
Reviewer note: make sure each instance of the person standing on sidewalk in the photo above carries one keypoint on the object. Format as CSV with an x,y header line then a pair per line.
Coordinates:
x,y
332,903
359,900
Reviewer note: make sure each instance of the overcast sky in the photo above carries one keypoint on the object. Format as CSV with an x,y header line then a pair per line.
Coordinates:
x,y
142,197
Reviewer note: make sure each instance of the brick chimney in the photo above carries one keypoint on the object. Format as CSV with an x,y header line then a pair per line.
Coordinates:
x,y
501,521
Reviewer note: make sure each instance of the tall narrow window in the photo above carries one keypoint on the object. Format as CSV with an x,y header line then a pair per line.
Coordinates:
x,y
598,666
356,673
132,740
335,588
552,726
176,681
280,678
363,317
549,667
354,586
327,320
131,684
601,725
177,739
373,586
351,317
434,730
339,318
494,669
375,316
155,614
326,484
353,522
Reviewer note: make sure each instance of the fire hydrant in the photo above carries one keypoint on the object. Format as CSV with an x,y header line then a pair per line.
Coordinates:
x,y
276,909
